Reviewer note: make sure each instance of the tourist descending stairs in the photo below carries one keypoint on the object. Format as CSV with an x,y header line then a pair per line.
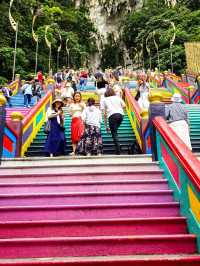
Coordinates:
x,y
194,119
17,100
114,210
125,132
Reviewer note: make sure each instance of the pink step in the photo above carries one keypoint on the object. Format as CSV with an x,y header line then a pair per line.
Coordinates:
x,y
23,111
81,177
88,169
87,228
108,211
96,246
134,260
92,186
86,198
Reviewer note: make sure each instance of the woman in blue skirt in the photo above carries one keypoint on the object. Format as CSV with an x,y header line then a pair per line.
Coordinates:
x,y
55,143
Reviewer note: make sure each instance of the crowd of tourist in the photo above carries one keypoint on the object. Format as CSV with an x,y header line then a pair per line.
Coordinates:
x,y
86,118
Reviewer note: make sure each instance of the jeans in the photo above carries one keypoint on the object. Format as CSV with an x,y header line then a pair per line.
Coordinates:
x,y
27,99
115,121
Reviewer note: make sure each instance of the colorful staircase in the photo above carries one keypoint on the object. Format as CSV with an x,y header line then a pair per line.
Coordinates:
x,y
23,111
105,211
194,118
18,100
126,137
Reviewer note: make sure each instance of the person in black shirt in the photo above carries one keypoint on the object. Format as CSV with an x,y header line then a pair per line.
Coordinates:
x,y
101,83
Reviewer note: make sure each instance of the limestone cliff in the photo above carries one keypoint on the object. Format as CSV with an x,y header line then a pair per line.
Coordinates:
x,y
106,16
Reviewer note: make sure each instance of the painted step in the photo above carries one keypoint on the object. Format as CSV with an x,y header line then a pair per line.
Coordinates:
x,y
96,246
82,177
86,198
39,170
87,228
93,186
98,211
134,260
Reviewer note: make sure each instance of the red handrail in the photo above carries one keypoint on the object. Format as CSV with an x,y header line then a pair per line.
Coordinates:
x,y
189,162
34,110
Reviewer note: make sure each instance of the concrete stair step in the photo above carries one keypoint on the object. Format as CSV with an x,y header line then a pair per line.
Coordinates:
x,y
70,169
87,228
81,177
90,186
91,211
119,197
96,246
133,260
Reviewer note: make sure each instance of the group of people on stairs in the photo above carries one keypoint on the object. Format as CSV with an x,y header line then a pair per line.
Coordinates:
x,y
175,113
85,123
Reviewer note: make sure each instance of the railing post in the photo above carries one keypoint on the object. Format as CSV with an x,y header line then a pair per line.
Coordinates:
x,y
156,108
2,122
16,124
144,124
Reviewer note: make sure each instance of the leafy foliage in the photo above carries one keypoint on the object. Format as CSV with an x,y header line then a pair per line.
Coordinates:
x,y
73,24
156,16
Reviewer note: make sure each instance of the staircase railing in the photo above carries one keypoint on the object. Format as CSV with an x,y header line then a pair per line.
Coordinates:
x,y
182,170
10,132
32,123
138,122
15,85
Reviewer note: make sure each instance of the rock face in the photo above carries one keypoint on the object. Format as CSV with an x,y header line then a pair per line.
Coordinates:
x,y
106,16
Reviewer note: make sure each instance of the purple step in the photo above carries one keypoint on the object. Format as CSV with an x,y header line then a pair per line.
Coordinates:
x,y
87,228
88,169
87,198
96,246
108,211
92,186
81,177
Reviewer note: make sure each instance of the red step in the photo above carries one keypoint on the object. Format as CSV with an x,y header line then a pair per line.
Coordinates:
x,y
84,228
90,186
86,198
108,211
96,246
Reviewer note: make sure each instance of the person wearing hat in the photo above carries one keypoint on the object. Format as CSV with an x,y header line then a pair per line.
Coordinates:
x,y
55,142
177,116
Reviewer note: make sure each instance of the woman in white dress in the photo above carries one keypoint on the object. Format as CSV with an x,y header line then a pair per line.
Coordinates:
x,y
143,89
177,115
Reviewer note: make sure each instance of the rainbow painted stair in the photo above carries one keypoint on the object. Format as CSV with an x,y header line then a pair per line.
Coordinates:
x,y
126,137
18,100
194,118
91,211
